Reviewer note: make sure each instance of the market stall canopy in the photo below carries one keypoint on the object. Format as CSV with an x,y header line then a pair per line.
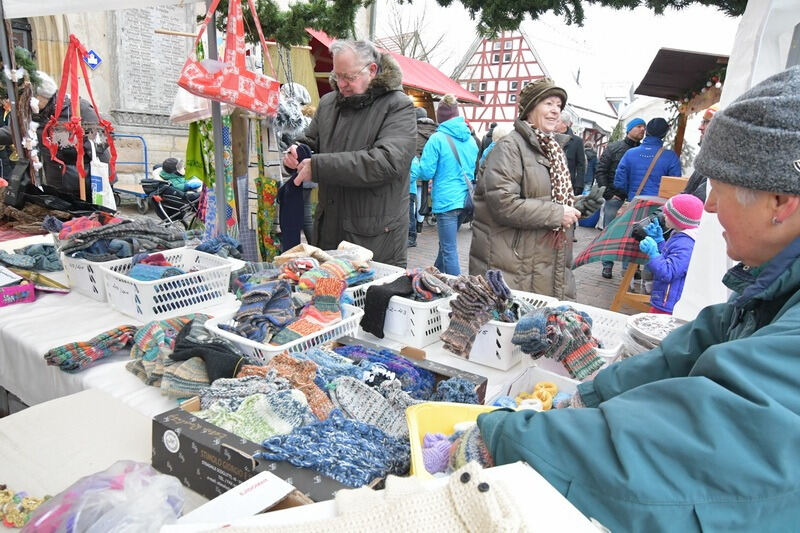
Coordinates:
x,y
416,74
673,72
39,8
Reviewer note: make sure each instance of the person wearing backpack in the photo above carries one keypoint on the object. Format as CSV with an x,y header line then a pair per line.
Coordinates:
x,y
448,159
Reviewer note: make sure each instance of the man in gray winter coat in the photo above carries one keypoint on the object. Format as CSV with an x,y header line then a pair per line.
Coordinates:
x,y
363,136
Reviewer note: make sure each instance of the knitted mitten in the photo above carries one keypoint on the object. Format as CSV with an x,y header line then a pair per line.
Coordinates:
x,y
468,446
17,260
580,350
330,365
465,323
498,284
431,280
530,334
76,356
301,375
262,416
184,379
435,452
376,301
324,308
230,392
363,403
222,358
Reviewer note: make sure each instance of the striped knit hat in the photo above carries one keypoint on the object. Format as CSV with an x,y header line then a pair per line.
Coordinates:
x,y
684,211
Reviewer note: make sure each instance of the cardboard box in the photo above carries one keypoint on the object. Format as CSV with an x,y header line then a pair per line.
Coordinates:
x,y
211,461
440,371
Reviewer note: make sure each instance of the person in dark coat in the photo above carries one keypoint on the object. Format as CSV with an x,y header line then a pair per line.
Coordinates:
x,y
607,167
591,165
576,159
363,137
425,128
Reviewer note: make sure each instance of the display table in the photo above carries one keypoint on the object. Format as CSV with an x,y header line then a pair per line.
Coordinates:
x,y
28,331
46,448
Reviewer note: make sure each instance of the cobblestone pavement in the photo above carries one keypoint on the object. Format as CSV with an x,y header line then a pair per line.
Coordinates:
x,y
592,288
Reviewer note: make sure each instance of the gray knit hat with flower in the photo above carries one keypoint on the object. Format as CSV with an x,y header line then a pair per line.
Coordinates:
x,y
755,141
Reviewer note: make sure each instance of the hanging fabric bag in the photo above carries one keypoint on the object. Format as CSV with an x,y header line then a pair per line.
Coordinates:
x,y
69,81
229,81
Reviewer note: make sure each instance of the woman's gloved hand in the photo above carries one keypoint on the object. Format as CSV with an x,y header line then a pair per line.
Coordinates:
x,y
591,202
655,231
648,245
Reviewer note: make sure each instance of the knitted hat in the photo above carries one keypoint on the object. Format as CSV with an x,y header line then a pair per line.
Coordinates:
x,y
47,85
755,141
447,109
361,402
421,113
535,92
657,127
684,211
633,123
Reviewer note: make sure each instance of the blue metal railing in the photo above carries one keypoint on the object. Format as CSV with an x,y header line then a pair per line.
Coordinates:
x,y
146,162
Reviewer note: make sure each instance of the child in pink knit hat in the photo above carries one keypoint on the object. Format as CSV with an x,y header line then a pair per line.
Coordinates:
x,y
669,260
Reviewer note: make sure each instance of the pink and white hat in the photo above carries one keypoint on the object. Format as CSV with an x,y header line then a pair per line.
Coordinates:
x,y
684,211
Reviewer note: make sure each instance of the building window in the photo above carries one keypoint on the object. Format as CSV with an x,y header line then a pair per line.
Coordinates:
x,y
482,98
496,45
471,87
514,85
507,57
495,58
482,86
512,98
21,32
508,45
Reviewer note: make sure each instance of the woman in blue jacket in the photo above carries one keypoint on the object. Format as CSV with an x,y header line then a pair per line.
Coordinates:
x,y
439,163
703,432
669,260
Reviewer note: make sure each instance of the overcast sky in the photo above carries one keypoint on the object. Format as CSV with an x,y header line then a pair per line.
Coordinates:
x,y
617,45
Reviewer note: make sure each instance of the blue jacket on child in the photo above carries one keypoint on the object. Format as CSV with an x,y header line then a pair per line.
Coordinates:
x,y
439,164
634,164
669,269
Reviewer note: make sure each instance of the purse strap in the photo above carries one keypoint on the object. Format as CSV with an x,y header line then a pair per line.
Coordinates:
x,y
458,160
234,47
649,170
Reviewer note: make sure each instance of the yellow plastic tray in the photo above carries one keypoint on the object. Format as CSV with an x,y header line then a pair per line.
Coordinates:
x,y
436,417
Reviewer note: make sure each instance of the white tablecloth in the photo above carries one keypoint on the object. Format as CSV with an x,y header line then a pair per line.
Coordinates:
x,y
28,331
46,448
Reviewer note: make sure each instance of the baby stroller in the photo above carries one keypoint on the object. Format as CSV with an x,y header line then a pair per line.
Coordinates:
x,y
170,203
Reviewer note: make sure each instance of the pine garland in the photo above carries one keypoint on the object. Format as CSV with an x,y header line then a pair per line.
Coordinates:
x,y
23,59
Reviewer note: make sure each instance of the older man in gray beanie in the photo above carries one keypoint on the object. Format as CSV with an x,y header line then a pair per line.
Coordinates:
x,y
702,432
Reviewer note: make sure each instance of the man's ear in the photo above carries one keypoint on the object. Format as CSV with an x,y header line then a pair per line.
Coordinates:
x,y
785,205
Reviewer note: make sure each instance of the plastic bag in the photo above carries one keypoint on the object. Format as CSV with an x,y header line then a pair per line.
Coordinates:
x,y
128,496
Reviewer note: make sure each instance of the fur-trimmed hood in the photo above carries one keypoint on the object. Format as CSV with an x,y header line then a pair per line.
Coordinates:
x,y
389,78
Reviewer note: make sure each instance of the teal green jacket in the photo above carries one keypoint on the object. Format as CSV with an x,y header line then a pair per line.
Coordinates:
x,y
702,433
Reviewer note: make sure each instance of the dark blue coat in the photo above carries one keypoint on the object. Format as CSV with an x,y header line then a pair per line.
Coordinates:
x,y
669,270
634,164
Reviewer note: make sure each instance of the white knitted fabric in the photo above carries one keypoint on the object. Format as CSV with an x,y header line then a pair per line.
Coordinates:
x,y
405,506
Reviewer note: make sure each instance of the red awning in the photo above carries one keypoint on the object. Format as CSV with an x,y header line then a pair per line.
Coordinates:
x,y
417,74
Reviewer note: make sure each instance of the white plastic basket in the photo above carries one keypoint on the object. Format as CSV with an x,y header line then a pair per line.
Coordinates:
x,y
412,322
264,352
86,277
383,274
493,346
607,326
205,284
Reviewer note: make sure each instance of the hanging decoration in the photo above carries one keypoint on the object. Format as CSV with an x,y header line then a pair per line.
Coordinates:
x,y
267,190
713,80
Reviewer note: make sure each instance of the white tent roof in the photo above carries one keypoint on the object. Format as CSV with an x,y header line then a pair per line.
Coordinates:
x,y
38,8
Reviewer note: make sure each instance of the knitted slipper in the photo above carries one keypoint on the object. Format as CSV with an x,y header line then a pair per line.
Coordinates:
x,y
301,375
363,403
262,416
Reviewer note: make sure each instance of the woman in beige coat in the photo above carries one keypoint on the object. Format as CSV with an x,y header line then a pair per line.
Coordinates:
x,y
524,207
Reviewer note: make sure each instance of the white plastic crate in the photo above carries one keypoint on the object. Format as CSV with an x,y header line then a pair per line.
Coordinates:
x,y
86,277
493,346
383,274
607,326
534,375
206,286
264,352
414,323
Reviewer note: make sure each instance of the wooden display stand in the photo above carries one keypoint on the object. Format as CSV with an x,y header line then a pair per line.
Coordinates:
x,y
669,187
